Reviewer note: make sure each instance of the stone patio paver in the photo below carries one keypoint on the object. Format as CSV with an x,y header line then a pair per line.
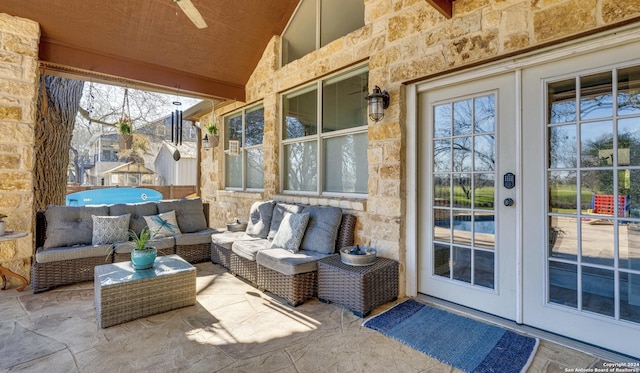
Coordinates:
x,y
234,327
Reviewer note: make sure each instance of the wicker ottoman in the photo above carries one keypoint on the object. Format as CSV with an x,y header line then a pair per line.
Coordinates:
x,y
361,289
123,294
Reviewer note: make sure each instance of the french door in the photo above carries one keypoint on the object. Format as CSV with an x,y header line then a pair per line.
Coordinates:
x,y
528,191
467,194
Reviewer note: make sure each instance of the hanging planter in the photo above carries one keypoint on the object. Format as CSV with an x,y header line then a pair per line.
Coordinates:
x,y
214,141
212,135
125,125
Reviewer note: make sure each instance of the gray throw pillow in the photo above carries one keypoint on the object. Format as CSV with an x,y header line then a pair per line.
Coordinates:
x,y
71,225
322,230
110,229
260,219
291,231
189,213
278,214
163,225
137,210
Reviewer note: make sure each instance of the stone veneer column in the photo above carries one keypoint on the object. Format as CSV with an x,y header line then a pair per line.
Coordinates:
x,y
19,40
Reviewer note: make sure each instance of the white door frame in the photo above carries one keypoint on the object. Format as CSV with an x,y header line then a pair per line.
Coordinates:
x,y
607,39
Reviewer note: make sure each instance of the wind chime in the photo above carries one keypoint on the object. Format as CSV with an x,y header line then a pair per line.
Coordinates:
x,y
176,123
176,127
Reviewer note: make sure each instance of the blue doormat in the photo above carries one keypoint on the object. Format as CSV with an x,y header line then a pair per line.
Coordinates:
x,y
469,345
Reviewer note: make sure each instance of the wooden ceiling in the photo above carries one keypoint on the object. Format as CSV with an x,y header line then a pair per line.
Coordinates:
x,y
153,42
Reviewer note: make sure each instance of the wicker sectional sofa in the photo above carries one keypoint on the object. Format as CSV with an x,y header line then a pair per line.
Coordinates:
x,y
65,253
280,256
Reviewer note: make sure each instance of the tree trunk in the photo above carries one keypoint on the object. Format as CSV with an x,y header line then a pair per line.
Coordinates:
x,y
53,132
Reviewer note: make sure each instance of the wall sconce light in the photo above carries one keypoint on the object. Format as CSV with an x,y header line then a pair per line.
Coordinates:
x,y
206,145
378,101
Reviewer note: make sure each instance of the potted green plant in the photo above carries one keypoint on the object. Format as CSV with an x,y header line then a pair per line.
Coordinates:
x,y
142,255
125,139
212,134
3,224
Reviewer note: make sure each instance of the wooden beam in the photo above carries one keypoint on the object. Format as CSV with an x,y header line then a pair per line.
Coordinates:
x,y
443,6
85,60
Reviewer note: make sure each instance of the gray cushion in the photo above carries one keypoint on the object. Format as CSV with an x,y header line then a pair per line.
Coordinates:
x,y
71,225
159,243
249,249
260,219
226,239
56,254
322,230
196,238
278,214
291,231
289,263
163,225
138,211
110,229
189,213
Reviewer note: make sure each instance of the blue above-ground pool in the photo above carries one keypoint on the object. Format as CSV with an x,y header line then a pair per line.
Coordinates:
x,y
108,196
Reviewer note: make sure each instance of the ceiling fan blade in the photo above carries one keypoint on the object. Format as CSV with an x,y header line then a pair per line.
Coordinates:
x,y
191,12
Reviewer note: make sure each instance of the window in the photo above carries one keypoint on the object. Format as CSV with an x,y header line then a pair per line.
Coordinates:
x,y
244,170
317,23
324,136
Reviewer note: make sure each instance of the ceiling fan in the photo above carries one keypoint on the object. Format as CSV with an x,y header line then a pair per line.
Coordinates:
x,y
191,12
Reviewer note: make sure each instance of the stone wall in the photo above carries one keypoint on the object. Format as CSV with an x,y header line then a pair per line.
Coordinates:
x,y
406,40
18,92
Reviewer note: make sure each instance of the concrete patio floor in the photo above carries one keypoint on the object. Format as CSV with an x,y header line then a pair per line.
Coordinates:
x,y
233,328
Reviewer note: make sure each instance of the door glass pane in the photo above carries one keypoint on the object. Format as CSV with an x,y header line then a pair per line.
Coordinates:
x,y
442,121
630,296
442,155
462,154
484,114
483,268
441,189
441,262
442,225
562,101
597,241
301,166
563,237
563,284
346,168
596,97
629,141
462,118
629,91
563,146
598,291
563,191
484,230
484,191
629,251
461,264
462,190
596,144
484,153
461,226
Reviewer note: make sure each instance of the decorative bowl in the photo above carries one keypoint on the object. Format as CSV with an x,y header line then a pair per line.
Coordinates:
x,y
358,255
237,226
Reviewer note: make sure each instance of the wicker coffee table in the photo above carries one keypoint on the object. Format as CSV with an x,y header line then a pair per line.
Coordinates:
x,y
123,294
361,289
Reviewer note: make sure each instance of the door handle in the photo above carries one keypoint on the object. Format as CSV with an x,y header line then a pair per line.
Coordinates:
x,y
508,202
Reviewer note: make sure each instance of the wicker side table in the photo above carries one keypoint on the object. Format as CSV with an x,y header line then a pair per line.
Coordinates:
x,y
361,289
123,294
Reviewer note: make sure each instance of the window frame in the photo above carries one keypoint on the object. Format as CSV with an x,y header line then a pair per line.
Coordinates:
x,y
319,136
244,149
